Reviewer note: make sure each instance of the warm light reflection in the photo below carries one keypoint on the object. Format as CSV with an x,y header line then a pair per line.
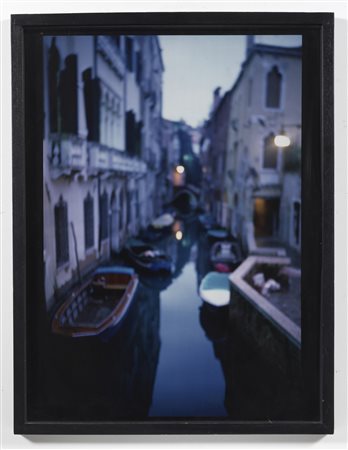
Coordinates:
x,y
281,140
180,169
178,235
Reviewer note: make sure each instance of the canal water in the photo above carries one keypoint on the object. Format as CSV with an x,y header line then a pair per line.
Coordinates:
x,y
172,356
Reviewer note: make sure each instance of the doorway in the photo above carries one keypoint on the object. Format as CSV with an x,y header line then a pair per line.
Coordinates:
x,y
266,217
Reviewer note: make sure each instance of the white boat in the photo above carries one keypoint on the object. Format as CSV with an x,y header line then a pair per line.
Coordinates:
x,y
215,289
163,221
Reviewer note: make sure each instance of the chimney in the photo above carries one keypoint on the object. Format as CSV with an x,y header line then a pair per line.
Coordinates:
x,y
250,41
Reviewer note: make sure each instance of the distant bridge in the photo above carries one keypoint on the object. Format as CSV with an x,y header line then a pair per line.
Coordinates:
x,y
186,198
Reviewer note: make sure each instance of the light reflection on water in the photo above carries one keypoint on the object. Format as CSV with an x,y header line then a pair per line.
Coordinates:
x,y
189,379
172,356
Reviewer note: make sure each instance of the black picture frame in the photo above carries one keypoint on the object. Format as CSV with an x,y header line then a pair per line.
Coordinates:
x,y
317,200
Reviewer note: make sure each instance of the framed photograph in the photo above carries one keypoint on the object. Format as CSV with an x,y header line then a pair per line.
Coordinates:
x,y
173,223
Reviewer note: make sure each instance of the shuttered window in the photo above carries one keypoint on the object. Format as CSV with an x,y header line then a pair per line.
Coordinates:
x,y
89,221
61,231
274,84
129,53
53,83
104,230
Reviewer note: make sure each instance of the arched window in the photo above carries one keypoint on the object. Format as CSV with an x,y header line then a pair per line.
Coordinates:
x,y
61,229
88,209
273,89
104,229
270,153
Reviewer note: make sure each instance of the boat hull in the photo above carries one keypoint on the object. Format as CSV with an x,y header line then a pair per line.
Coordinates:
x,y
91,310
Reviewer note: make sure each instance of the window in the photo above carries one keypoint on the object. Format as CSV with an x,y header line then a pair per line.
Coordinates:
x,y
129,53
121,213
270,153
273,89
104,229
88,210
61,229
68,95
131,132
53,78
92,97
297,222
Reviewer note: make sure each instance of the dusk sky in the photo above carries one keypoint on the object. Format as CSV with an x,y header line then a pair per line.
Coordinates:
x,y
196,65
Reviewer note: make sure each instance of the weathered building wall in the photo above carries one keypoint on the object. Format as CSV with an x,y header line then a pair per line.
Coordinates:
x,y
254,188
98,186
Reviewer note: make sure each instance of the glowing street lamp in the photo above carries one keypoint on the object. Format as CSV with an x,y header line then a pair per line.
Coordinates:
x,y
180,169
282,140
178,235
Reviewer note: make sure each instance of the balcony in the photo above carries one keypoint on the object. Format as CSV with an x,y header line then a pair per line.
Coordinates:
x,y
99,156
68,155
122,163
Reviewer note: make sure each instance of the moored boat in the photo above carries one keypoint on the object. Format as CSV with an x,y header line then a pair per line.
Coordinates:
x,y
216,234
206,221
226,252
215,289
147,257
151,235
98,304
162,222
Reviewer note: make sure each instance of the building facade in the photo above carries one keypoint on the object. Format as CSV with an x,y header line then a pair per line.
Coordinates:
x,y
259,183
101,149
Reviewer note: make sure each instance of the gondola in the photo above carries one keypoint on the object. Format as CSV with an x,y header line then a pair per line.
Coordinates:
x,y
147,257
98,304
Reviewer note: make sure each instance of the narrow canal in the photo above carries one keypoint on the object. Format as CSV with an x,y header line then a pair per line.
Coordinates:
x,y
172,356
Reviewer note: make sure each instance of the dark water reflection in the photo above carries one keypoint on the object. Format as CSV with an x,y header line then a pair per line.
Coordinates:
x,y
172,356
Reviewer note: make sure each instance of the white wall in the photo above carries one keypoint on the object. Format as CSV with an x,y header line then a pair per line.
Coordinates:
x,y
339,440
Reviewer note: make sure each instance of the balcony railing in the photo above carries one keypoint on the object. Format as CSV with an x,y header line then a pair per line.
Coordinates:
x,y
98,158
68,154
122,163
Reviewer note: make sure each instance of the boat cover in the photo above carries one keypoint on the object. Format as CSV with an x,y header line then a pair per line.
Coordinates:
x,y
215,289
115,269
